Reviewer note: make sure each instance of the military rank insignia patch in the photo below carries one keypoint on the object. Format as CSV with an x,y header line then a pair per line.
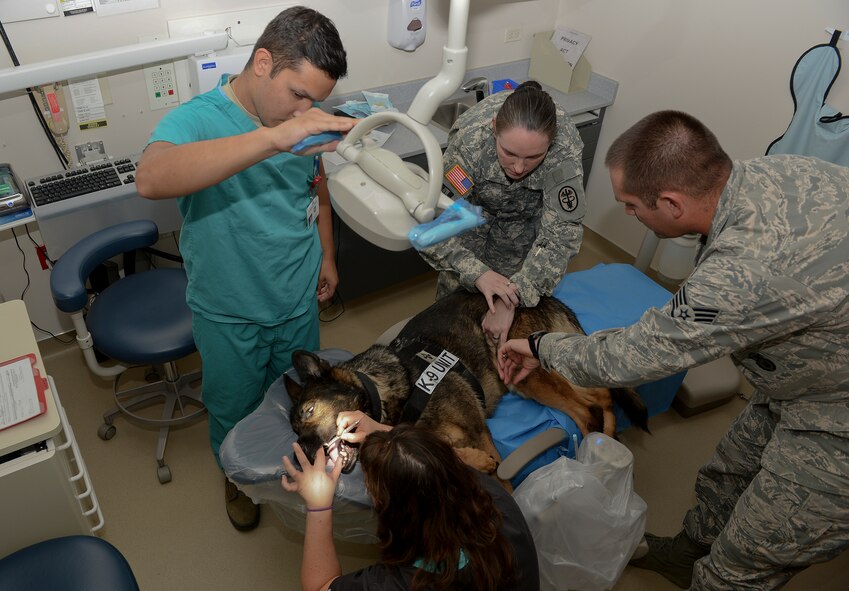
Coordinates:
x,y
459,180
681,308
568,198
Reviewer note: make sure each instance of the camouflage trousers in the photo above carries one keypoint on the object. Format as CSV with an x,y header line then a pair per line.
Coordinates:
x,y
762,528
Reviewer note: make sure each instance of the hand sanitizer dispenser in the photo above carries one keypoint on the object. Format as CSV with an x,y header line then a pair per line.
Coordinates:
x,y
407,20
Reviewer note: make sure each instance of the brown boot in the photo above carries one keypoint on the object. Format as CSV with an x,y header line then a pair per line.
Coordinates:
x,y
242,511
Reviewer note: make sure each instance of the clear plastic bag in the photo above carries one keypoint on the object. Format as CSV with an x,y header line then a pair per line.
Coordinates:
x,y
584,515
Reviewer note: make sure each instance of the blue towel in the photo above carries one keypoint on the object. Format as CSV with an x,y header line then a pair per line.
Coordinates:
x,y
606,296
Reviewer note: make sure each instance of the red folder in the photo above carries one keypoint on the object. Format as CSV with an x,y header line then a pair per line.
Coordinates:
x,y
16,405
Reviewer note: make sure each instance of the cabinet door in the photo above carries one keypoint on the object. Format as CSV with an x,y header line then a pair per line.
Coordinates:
x,y
37,500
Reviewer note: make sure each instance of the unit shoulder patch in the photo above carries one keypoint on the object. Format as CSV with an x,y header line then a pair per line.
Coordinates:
x,y
568,198
564,192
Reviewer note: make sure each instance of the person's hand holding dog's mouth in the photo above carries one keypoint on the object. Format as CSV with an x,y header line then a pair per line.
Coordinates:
x,y
315,485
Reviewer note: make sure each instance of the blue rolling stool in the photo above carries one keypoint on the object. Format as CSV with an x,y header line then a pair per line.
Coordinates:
x,y
72,563
139,320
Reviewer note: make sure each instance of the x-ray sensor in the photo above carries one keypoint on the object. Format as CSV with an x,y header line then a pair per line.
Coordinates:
x,y
377,194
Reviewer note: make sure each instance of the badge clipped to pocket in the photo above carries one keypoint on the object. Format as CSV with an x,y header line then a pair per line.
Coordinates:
x,y
312,208
312,211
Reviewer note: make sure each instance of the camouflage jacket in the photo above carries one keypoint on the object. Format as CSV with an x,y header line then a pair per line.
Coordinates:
x,y
533,225
770,287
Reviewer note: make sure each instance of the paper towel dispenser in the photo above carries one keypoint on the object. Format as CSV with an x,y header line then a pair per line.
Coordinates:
x,y
205,71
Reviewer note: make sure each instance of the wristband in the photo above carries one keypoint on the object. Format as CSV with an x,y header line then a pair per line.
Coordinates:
x,y
533,342
317,509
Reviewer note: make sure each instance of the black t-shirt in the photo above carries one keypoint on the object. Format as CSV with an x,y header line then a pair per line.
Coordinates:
x,y
380,577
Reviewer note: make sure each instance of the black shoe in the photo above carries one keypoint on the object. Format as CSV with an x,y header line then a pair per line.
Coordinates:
x,y
672,557
242,511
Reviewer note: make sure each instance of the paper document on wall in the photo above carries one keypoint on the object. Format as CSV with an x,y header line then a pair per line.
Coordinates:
x,y
21,392
88,103
571,44
110,7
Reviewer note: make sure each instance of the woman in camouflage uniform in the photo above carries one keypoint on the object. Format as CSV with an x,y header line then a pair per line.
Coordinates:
x,y
517,155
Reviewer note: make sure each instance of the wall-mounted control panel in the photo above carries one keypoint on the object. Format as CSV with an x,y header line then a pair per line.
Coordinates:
x,y
161,86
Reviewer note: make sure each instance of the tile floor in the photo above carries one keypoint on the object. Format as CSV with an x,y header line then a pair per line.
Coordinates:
x,y
177,536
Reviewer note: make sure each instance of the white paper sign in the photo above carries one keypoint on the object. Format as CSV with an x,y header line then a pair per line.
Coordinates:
x,y
88,103
110,7
18,394
571,44
74,7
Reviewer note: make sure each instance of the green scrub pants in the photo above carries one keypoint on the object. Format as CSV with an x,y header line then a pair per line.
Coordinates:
x,y
240,362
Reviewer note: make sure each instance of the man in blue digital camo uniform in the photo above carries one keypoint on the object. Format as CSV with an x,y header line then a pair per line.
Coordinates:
x,y
771,288
517,155
256,237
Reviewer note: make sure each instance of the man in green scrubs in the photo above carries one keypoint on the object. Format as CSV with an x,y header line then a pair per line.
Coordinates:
x,y
257,237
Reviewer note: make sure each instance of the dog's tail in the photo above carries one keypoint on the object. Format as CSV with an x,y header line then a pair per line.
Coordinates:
x,y
633,405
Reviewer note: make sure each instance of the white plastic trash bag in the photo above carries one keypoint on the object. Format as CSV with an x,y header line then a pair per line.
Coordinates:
x,y
584,515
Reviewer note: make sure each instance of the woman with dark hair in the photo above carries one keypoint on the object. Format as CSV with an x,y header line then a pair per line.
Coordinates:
x,y
516,154
441,525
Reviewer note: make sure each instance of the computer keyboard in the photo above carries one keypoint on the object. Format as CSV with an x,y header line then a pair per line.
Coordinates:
x,y
97,177
71,204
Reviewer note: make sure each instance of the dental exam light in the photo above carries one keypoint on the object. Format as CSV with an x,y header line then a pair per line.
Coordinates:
x,y
377,194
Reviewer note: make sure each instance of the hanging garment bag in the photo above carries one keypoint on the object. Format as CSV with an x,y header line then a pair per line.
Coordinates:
x,y
815,129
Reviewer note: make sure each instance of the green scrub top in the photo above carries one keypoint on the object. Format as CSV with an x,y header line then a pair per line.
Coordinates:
x,y
249,254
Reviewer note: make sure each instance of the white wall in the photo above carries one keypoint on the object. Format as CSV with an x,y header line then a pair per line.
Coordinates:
x,y
372,62
728,62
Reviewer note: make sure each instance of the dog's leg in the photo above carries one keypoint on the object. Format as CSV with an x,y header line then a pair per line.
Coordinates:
x,y
483,462
466,448
481,454
590,408
477,459
489,447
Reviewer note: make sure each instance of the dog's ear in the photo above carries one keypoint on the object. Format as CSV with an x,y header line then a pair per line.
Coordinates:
x,y
309,365
293,388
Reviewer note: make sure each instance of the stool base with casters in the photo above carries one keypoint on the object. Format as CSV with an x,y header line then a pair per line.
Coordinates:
x,y
180,396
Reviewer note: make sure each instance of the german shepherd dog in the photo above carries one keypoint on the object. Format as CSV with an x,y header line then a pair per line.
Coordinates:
x,y
441,372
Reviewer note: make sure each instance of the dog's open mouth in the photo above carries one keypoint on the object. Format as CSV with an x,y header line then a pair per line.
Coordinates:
x,y
347,452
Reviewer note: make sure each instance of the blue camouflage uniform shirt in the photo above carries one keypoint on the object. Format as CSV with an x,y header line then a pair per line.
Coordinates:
x,y
771,288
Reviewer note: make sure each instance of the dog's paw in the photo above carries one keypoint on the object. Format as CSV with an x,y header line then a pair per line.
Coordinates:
x,y
477,459
490,465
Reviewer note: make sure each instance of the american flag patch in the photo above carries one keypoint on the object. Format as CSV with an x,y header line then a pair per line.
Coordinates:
x,y
459,180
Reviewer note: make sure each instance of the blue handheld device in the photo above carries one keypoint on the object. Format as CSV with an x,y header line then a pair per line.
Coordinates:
x,y
316,140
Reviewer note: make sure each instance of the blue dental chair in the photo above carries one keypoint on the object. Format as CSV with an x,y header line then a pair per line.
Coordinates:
x,y
140,320
71,563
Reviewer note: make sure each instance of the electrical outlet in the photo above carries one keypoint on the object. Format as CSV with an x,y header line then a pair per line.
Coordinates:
x,y
161,86
512,34
41,252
